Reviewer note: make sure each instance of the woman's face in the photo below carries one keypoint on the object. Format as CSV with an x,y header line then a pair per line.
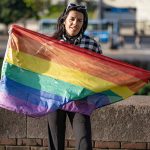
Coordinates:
x,y
74,22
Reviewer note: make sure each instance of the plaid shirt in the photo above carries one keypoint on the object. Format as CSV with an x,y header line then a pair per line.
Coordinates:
x,y
86,42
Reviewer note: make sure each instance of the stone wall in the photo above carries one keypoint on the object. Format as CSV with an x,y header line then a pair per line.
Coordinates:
x,y
123,125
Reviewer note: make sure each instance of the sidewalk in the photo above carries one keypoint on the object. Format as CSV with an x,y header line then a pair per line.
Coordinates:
x,y
128,52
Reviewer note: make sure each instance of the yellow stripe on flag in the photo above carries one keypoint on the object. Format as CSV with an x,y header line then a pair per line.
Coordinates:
x,y
61,72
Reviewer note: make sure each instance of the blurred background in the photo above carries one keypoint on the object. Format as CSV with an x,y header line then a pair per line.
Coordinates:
x,y
121,27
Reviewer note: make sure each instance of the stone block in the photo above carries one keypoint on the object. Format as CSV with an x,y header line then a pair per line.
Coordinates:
x,y
127,120
6,141
39,148
37,127
45,142
12,125
109,145
129,145
29,142
17,148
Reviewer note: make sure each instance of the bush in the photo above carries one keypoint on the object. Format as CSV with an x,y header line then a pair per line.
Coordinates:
x,y
54,11
145,90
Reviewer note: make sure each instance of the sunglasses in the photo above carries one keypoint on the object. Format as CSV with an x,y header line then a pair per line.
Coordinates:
x,y
78,7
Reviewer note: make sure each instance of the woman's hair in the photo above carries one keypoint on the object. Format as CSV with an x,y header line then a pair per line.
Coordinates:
x,y
60,23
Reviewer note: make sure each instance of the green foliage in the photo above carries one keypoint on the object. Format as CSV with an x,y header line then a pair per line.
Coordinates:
x,y
14,10
54,11
33,4
40,6
145,90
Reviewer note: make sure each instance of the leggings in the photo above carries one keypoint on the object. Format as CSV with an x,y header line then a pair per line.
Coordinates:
x,y
57,125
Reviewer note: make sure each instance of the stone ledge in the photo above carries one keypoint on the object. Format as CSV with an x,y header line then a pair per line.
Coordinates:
x,y
12,125
126,121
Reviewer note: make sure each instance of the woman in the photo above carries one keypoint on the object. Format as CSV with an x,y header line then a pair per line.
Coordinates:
x,y
70,28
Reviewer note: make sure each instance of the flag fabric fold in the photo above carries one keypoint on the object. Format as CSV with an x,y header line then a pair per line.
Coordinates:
x,y
41,74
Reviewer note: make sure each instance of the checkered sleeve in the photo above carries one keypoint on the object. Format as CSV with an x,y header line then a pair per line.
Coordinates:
x,y
90,44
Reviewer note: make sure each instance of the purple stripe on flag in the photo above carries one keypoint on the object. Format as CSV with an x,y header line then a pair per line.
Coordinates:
x,y
80,107
14,104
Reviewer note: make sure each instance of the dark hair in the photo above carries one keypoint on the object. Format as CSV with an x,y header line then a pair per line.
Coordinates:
x,y
60,26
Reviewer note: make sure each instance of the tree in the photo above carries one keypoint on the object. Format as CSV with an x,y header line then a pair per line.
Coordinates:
x,y
14,10
40,6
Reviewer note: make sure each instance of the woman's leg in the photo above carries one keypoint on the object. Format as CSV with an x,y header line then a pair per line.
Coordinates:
x,y
82,130
56,130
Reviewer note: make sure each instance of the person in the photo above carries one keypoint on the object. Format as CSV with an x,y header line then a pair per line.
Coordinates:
x,y
71,26
121,40
137,40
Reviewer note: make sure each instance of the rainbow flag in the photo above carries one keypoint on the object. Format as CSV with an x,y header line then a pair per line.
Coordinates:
x,y
41,74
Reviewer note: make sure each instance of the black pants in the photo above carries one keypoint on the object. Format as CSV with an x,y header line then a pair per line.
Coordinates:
x,y
57,125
